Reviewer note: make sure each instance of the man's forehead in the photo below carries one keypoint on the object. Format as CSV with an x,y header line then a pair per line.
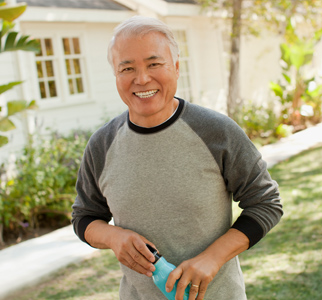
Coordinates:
x,y
131,40
129,48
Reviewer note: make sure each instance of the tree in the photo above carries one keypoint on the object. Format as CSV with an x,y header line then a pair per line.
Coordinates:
x,y
245,16
299,91
11,41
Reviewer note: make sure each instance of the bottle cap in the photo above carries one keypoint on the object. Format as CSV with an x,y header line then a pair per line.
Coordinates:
x,y
154,252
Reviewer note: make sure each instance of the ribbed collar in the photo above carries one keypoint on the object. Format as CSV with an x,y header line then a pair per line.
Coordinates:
x,y
167,123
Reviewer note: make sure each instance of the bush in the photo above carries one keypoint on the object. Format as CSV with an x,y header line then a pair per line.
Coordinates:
x,y
44,182
258,122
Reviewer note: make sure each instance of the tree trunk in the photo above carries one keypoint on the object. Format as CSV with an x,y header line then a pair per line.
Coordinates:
x,y
1,235
234,100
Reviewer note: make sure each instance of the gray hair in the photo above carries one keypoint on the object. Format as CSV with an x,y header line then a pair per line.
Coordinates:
x,y
139,26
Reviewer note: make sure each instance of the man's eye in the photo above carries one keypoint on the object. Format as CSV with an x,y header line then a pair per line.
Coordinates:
x,y
154,65
127,70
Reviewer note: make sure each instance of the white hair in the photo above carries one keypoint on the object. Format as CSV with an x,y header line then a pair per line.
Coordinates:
x,y
139,26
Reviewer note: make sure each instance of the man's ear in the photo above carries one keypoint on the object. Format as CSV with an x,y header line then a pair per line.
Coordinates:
x,y
177,68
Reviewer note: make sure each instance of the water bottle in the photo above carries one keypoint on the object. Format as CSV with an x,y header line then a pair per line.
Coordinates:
x,y
161,274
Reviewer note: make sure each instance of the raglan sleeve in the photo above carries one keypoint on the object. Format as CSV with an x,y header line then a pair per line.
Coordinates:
x,y
251,185
89,204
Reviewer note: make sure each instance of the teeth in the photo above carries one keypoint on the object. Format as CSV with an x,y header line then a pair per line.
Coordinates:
x,y
146,94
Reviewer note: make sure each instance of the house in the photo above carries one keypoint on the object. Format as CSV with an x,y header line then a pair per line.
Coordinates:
x,y
73,83
71,79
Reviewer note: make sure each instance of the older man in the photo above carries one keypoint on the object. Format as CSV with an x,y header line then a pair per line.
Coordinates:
x,y
166,171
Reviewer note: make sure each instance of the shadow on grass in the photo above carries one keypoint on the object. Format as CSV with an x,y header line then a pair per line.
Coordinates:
x,y
287,263
304,285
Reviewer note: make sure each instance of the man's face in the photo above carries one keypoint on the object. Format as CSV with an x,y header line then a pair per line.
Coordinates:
x,y
146,77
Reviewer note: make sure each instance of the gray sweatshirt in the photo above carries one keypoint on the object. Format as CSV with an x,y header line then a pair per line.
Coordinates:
x,y
174,184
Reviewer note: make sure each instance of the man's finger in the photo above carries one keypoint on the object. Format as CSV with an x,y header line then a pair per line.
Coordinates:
x,y
194,290
173,277
138,261
202,290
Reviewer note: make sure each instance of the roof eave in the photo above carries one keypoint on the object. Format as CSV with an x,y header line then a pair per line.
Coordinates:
x,y
43,14
162,8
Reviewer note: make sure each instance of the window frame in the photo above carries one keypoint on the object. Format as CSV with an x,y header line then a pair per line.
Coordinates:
x,y
187,75
63,98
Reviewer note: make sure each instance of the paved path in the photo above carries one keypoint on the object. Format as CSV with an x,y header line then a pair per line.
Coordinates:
x,y
27,263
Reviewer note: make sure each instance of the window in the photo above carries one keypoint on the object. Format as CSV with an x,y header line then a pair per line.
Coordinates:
x,y
184,83
60,69
45,61
72,55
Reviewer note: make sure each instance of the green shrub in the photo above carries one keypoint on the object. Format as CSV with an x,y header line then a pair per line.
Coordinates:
x,y
258,122
44,182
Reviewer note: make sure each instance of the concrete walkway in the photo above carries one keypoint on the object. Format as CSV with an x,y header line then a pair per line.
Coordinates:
x,y
27,263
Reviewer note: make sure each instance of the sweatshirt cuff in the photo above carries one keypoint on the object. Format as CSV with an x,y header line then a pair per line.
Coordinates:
x,y
251,228
82,225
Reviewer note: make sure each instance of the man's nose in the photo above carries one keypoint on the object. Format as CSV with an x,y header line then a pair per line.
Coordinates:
x,y
142,77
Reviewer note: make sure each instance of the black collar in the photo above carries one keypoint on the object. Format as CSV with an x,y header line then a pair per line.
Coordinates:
x,y
167,123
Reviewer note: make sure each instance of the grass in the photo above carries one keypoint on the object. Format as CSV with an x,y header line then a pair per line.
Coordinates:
x,y
286,264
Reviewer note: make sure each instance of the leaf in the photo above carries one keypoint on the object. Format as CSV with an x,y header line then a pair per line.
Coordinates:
x,y
12,12
3,140
10,41
9,86
6,124
16,106
276,88
301,54
21,44
285,50
6,26
287,78
317,92
318,35
32,105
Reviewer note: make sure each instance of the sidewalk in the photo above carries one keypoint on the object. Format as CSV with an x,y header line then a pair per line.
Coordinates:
x,y
27,263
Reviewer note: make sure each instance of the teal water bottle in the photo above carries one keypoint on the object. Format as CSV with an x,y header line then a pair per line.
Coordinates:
x,y
161,274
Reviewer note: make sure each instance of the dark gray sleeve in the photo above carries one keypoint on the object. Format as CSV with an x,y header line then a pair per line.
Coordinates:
x,y
243,170
90,204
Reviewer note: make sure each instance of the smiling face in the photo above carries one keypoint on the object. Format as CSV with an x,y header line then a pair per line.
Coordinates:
x,y
146,77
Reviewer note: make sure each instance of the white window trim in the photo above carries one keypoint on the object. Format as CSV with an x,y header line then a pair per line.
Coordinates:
x,y
189,61
63,98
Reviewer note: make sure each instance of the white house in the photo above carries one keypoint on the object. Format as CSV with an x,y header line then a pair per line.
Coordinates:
x,y
71,79
73,83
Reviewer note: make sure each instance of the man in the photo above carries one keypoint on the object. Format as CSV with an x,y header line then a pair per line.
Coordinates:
x,y
166,171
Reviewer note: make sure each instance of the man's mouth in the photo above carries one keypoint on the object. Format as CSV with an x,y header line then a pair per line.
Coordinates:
x,y
146,94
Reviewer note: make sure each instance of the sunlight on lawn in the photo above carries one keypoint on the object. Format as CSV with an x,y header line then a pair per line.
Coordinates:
x,y
284,265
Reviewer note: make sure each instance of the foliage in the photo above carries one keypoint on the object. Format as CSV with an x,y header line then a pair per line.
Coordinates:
x,y
10,41
299,93
13,107
251,16
285,265
258,122
10,13
44,181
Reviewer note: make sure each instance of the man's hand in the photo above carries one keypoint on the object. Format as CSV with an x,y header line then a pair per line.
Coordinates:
x,y
201,270
129,247
131,250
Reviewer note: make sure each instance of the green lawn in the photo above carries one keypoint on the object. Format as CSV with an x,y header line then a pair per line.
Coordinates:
x,y
287,264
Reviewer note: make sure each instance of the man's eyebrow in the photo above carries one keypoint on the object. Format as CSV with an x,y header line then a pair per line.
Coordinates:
x,y
153,57
125,62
